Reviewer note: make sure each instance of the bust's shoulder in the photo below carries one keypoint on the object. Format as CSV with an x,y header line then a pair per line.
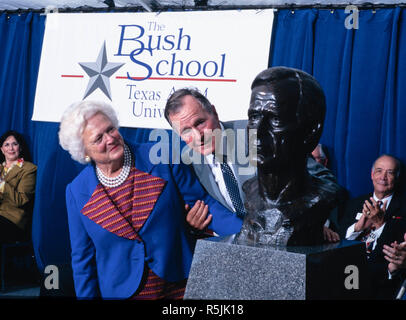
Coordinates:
x,y
253,202
251,185
320,185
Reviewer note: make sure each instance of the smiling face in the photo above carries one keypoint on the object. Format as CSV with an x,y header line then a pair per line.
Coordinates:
x,y
103,143
10,149
278,135
195,125
383,176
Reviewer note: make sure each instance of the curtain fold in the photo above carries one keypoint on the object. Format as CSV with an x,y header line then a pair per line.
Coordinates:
x,y
398,142
293,39
21,38
389,121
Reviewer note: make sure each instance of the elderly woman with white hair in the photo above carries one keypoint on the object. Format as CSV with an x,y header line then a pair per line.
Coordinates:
x,y
128,232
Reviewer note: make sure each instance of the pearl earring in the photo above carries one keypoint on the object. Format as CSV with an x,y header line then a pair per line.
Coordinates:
x,y
87,159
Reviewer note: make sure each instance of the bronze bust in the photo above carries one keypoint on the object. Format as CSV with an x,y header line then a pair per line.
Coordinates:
x,y
285,204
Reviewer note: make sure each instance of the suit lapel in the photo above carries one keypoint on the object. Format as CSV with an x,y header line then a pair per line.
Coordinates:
x,y
394,207
13,172
208,181
242,169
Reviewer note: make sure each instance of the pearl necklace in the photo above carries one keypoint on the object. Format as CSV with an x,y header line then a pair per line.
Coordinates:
x,y
125,171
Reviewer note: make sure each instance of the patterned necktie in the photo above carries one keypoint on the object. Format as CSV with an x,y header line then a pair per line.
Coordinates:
x,y
369,242
232,188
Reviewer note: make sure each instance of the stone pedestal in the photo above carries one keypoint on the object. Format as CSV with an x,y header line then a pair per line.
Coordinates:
x,y
225,271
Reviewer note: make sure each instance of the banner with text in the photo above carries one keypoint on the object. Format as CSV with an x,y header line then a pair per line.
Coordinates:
x,y
135,61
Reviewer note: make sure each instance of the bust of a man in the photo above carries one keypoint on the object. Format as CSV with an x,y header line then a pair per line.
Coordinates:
x,y
285,204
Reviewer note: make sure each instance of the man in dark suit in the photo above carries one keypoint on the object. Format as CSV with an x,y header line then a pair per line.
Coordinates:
x,y
211,142
378,219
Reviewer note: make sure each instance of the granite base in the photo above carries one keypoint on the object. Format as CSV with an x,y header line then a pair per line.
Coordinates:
x,y
225,271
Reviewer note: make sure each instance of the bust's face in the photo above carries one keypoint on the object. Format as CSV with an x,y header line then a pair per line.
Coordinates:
x,y
278,136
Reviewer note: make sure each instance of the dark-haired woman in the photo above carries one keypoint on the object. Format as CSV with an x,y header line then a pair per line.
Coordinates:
x,y
17,188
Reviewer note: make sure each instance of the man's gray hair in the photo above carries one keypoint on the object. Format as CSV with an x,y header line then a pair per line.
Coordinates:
x,y
73,122
175,101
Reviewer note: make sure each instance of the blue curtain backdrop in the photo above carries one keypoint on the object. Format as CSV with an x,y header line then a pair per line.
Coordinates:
x,y
361,71
21,41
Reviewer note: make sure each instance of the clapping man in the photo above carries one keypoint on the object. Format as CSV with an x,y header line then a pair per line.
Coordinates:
x,y
378,220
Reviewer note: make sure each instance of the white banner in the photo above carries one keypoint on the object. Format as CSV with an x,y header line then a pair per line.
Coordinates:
x,y
136,60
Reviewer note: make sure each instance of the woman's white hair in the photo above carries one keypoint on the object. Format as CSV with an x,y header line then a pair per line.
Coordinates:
x,y
73,122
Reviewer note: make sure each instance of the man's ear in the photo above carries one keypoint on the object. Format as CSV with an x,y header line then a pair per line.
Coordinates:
x,y
214,110
312,137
